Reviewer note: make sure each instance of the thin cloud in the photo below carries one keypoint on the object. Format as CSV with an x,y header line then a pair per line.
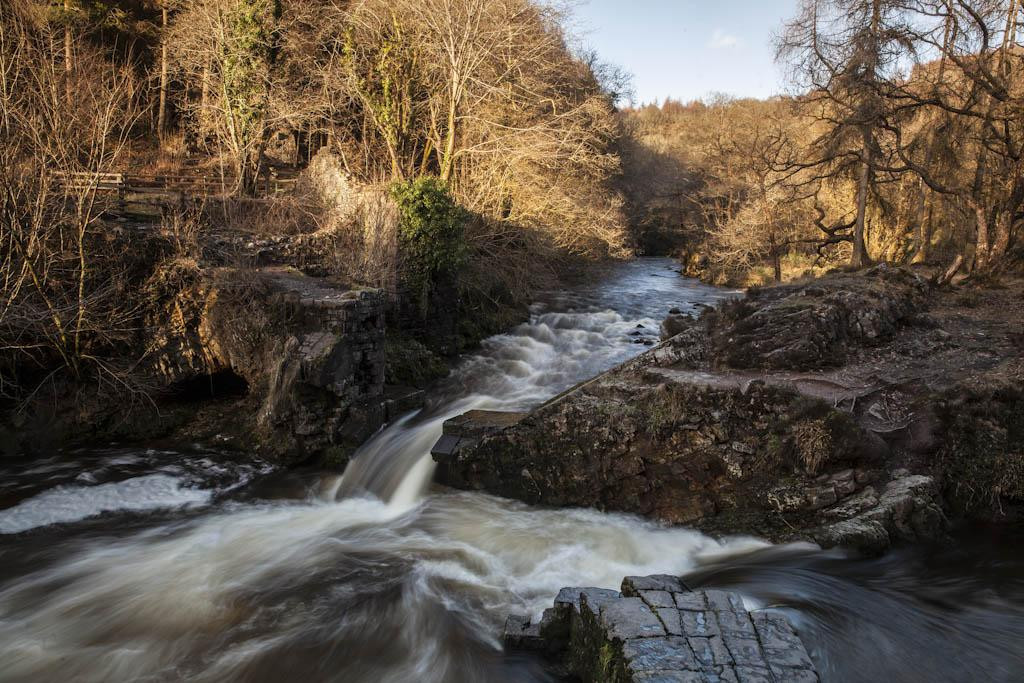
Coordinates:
x,y
720,40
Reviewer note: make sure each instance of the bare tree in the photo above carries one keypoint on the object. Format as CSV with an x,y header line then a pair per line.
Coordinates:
x,y
161,118
841,52
54,298
228,50
973,95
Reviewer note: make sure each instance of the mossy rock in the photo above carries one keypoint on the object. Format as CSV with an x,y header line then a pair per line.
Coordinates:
x,y
982,457
336,458
410,363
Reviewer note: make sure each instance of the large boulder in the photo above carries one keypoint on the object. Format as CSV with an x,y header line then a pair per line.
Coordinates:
x,y
814,325
309,352
730,458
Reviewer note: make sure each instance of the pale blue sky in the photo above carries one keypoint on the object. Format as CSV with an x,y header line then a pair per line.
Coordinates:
x,y
687,49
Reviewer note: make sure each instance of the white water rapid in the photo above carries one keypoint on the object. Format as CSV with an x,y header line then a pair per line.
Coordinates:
x,y
199,565
369,576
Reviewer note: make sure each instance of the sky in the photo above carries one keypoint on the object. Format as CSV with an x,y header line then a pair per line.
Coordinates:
x,y
688,49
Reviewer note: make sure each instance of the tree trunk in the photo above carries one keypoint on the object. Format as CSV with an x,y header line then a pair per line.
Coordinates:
x,y
982,245
923,225
1001,241
447,160
860,253
68,56
161,118
860,256
204,95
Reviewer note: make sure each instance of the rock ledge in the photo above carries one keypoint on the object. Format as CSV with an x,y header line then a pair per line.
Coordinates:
x,y
659,631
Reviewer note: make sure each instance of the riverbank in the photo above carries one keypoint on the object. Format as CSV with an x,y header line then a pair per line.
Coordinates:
x,y
857,409
249,342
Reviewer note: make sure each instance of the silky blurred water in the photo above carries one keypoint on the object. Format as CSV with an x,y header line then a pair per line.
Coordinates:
x,y
195,564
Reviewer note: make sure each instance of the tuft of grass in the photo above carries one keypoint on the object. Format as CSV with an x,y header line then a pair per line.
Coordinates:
x,y
813,442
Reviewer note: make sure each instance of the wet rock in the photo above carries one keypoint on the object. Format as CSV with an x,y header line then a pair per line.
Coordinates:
x,y
632,586
569,599
629,618
311,353
521,634
909,508
680,452
676,323
657,630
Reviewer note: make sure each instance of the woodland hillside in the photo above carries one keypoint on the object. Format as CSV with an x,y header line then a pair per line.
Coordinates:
x,y
418,138
460,153
901,142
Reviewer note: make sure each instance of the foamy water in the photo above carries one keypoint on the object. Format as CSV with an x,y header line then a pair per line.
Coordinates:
x,y
74,503
369,576
164,565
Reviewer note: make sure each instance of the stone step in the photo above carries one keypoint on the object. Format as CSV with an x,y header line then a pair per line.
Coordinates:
x,y
466,430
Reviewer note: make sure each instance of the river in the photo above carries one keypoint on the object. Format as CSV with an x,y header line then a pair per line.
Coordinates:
x,y
193,563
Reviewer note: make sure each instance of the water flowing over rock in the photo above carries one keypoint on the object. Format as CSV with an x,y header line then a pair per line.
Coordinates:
x,y
816,411
201,564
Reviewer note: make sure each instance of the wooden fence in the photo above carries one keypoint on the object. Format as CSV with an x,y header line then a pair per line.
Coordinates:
x,y
268,184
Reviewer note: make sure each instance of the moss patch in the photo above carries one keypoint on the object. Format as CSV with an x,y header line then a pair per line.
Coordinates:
x,y
982,458
410,363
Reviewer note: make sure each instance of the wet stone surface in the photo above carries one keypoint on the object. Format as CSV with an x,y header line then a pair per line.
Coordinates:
x,y
658,631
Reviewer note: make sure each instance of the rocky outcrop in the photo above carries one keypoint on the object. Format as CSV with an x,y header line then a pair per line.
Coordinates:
x,y
714,429
465,431
909,507
811,325
656,629
745,457
311,353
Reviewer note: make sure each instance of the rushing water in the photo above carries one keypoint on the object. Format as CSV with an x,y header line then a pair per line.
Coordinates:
x,y
157,565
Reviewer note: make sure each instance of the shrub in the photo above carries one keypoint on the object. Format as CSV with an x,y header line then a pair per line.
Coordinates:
x,y
430,234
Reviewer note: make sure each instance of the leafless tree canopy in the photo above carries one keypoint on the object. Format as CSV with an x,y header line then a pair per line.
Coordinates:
x,y
901,141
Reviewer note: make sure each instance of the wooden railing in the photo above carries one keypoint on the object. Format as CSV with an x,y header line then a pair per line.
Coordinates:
x,y
269,184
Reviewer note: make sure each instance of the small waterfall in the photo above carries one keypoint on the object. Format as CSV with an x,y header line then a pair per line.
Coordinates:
x,y
566,341
513,371
128,565
192,575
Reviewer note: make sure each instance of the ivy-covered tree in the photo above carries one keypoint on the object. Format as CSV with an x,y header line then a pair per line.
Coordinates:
x,y
430,234
227,51
381,69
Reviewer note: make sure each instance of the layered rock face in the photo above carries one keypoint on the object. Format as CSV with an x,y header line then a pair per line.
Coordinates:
x,y
658,630
311,353
717,428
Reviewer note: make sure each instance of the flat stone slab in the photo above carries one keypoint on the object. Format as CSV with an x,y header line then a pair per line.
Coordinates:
x,y
659,631
466,430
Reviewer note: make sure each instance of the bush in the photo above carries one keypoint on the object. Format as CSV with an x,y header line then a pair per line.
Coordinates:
x,y
430,234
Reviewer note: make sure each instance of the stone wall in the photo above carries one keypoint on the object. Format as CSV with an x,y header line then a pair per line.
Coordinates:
x,y
311,352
